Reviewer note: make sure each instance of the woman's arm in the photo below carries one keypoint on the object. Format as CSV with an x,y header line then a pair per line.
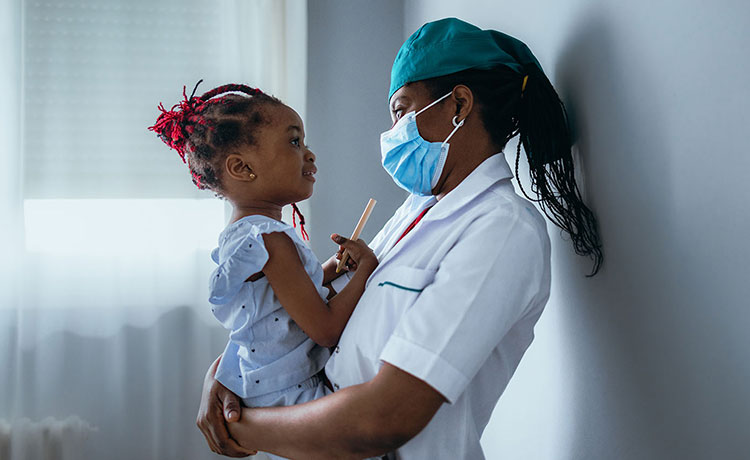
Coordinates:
x,y
292,286
356,422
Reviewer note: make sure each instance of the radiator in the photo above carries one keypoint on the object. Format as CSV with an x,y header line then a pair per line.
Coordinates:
x,y
48,439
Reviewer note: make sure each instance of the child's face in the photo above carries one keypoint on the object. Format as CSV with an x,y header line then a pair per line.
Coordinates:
x,y
283,165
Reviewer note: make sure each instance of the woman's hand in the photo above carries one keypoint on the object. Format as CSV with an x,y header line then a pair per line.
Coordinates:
x,y
219,406
360,257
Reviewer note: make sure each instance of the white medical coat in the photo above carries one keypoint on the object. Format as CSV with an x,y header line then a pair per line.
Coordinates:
x,y
454,303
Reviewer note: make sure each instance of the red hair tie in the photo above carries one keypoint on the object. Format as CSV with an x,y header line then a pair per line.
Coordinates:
x,y
295,211
170,126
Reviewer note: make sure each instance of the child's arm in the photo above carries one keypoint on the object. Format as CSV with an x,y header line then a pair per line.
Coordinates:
x,y
292,285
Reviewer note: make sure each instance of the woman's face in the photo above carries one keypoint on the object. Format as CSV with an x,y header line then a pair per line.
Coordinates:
x,y
435,123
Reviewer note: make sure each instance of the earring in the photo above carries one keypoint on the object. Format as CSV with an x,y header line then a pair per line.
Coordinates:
x,y
252,176
457,123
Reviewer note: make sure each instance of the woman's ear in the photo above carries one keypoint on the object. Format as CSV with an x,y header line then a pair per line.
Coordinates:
x,y
238,168
464,100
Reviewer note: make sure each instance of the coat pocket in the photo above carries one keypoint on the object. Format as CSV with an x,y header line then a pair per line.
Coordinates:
x,y
402,284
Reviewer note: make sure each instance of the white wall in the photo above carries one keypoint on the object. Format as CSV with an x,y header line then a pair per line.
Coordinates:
x,y
651,358
351,47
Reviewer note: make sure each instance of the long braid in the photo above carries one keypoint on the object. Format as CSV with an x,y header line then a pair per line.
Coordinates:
x,y
520,185
511,105
545,135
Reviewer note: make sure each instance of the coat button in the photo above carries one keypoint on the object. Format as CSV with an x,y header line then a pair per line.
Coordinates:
x,y
336,386
337,349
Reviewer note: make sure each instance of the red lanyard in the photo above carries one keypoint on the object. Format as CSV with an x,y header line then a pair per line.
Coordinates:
x,y
413,224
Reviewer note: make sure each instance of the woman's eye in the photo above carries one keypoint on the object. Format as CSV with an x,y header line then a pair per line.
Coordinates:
x,y
295,141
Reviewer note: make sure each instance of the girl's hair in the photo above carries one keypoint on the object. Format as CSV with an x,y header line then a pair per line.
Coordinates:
x,y
537,115
204,130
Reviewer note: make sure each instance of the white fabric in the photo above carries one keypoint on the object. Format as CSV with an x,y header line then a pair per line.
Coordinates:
x,y
454,303
312,388
267,351
104,241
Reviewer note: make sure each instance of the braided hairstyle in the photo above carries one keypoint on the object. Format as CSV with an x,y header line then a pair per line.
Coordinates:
x,y
527,106
205,130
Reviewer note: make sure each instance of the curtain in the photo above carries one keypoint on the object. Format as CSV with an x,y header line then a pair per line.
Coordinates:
x,y
105,330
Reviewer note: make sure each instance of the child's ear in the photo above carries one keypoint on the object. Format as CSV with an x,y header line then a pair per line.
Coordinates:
x,y
238,168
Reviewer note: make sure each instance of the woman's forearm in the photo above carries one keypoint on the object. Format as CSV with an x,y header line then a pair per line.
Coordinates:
x,y
356,422
346,425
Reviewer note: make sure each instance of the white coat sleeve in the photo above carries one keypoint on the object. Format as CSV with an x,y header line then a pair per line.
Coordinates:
x,y
482,287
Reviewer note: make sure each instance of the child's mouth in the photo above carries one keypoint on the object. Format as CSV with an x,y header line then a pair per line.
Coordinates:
x,y
310,175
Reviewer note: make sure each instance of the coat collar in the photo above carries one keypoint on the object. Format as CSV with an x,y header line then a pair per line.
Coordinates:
x,y
490,171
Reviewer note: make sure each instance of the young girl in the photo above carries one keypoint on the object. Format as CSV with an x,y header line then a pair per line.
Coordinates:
x,y
268,287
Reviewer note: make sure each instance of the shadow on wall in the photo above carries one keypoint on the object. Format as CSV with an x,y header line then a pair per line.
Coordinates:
x,y
654,366
615,349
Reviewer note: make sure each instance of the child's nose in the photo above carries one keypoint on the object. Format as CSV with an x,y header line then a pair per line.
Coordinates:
x,y
310,156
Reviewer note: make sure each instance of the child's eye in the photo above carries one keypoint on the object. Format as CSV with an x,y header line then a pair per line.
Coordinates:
x,y
295,141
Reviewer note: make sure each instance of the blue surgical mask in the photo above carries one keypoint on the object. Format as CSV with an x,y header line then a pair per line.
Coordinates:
x,y
414,163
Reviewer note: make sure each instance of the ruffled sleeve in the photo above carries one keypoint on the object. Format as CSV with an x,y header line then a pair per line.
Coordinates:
x,y
241,254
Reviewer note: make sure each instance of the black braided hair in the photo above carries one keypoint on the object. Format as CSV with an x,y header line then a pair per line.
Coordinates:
x,y
204,130
537,116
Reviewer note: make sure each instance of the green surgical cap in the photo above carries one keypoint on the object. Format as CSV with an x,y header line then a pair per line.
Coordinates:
x,y
450,45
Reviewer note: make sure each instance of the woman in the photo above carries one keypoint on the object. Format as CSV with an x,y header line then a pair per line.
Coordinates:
x,y
464,268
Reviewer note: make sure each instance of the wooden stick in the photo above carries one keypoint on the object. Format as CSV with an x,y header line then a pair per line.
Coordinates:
x,y
357,231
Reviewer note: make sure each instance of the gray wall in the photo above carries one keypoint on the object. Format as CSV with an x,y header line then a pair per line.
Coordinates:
x,y
351,47
651,358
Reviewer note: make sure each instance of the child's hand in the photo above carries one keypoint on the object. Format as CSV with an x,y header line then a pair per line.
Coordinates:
x,y
360,256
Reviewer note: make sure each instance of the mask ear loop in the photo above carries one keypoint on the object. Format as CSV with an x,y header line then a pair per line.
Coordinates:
x,y
433,103
443,150
457,125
